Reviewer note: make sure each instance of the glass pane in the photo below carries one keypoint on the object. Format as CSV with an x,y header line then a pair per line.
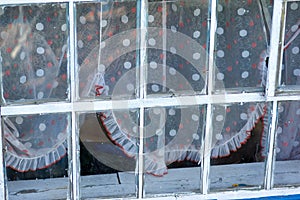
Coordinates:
x,y
108,152
237,151
241,45
106,47
291,54
288,144
176,49
33,49
173,138
36,155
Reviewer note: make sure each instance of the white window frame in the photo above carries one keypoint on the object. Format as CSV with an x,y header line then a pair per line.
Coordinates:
x,y
74,106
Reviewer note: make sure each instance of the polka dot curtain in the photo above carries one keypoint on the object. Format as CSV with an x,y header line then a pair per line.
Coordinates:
x,y
288,134
34,69
241,51
33,47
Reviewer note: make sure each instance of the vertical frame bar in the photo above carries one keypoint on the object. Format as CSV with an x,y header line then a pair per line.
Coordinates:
x,y
212,24
276,47
3,186
142,24
164,40
270,162
74,163
273,81
206,151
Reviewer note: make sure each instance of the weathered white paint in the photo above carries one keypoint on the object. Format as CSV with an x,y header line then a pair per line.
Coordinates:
x,y
182,183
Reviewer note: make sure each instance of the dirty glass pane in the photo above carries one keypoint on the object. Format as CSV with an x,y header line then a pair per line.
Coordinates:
x,y
238,144
176,47
108,151
33,49
36,155
172,147
288,144
106,49
291,53
241,45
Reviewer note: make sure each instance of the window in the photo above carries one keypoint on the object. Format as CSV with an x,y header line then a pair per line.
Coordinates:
x,y
106,99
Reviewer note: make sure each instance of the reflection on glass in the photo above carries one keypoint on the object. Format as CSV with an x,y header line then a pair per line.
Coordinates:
x,y
290,66
238,143
288,144
176,47
173,138
36,148
241,45
33,49
107,48
108,152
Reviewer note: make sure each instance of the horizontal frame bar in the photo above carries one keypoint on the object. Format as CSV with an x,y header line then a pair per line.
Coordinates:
x,y
86,106
15,2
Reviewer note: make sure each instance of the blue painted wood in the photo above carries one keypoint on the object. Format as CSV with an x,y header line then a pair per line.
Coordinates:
x,y
289,197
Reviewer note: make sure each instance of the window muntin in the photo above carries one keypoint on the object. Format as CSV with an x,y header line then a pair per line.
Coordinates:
x,y
230,99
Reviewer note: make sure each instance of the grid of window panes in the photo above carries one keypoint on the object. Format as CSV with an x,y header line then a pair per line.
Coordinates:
x,y
140,98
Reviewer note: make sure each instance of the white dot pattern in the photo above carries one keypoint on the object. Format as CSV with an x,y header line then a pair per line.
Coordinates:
x,y
172,112
174,7
40,95
220,76
196,136
127,65
124,19
82,20
40,50
155,88
245,74
220,53
23,79
153,65
220,118
19,120
172,132
295,50
39,26
22,55
219,136
196,56
150,18
101,68
172,71
42,127
197,12
220,30
40,72
196,34
130,87
152,41
243,33
126,42
173,50
64,27
241,11
195,77
294,6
